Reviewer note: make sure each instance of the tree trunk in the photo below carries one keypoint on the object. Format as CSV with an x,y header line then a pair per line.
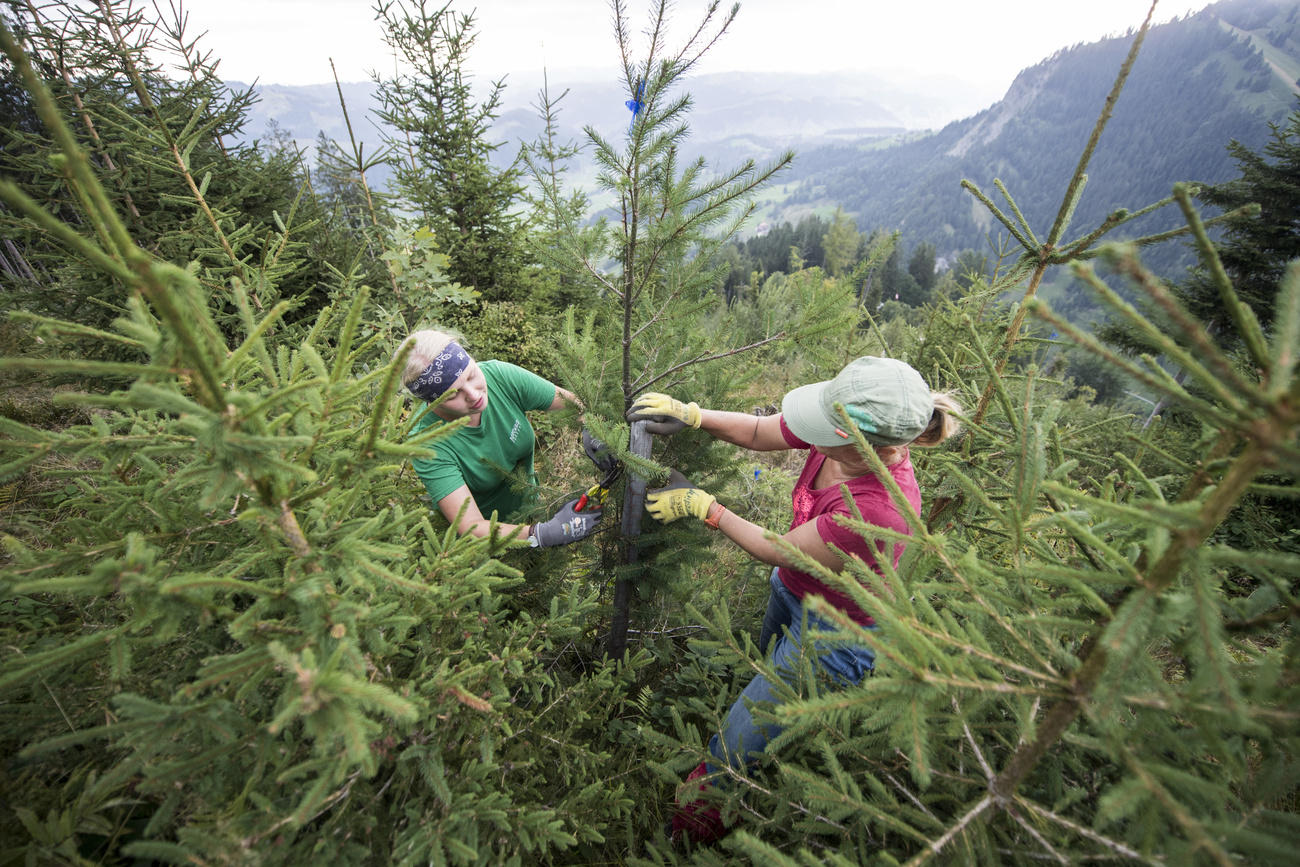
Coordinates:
x,y
633,504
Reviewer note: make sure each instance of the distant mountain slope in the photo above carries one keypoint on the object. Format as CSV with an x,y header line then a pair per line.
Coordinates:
x,y
762,113
1199,82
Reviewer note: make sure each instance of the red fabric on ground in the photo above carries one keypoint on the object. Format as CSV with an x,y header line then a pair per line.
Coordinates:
x,y
698,820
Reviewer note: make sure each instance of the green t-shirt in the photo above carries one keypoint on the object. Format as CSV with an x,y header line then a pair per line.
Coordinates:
x,y
484,457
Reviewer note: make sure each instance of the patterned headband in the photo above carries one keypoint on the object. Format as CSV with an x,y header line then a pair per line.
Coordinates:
x,y
445,369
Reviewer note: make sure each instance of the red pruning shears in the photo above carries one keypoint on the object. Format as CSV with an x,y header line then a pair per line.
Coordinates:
x,y
600,490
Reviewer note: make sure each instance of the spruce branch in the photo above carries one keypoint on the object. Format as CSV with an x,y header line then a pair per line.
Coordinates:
x,y
1028,470
706,357
63,654
1196,830
975,747
996,384
1038,838
921,673
1068,206
935,847
1020,218
1161,237
1153,377
1091,543
1015,230
288,524
89,122
1078,179
392,382
1159,578
173,142
1087,833
85,366
80,245
1042,256
1224,379
966,648
359,166
1286,335
343,349
86,184
1176,518
1081,249
195,62
251,326
916,802
255,340
1241,315
1115,218
699,43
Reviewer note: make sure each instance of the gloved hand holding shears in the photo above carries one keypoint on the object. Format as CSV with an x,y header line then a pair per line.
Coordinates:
x,y
603,457
569,524
578,519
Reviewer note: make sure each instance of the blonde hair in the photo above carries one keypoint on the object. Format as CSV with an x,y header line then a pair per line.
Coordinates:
x,y
428,343
943,421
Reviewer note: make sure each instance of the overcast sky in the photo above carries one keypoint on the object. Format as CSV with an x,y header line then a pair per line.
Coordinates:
x,y
982,42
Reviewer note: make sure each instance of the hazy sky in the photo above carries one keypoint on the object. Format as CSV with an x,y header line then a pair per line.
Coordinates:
x,y
982,42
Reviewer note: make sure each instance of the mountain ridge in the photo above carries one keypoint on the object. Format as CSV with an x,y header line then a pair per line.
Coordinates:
x,y
1198,83
773,107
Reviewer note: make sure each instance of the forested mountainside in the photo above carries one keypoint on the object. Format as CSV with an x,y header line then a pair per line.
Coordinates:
x,y
1199,82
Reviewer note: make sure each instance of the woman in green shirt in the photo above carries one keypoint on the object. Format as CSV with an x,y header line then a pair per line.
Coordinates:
x,y
474,471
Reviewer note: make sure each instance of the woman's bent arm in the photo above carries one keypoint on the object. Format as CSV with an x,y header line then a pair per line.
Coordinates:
x,y
460,510
754,539
759,433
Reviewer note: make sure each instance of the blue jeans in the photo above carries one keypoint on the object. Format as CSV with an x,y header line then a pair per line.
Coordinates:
x,y
843,662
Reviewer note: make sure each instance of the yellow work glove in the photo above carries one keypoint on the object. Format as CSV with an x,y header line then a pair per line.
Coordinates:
x,y
677,500
666,415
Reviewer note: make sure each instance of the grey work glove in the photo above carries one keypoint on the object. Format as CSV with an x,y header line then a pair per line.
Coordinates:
x,y
665,414
567,525
599,453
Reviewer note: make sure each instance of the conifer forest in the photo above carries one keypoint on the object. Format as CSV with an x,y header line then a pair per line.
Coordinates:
x,y
235,630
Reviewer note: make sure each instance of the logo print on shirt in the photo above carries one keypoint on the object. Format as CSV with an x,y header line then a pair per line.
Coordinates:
x,y
514,431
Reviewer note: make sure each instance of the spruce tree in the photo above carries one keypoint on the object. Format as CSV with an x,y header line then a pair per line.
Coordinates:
x,y
841,243
1256,249
442,148
672,215
921,267
559,214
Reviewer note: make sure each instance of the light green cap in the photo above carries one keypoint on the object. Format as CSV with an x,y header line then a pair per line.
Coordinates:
x,y
886,398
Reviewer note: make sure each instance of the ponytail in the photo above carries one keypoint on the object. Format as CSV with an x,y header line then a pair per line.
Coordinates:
x,y
943,421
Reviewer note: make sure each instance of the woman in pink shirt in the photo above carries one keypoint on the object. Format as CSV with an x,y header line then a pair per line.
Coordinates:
x,y
893,408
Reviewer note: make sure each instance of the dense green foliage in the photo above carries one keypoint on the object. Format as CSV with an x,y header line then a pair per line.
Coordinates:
x,y
233,631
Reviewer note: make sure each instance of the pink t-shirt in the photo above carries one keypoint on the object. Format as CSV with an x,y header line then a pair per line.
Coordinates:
x,y
822,504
